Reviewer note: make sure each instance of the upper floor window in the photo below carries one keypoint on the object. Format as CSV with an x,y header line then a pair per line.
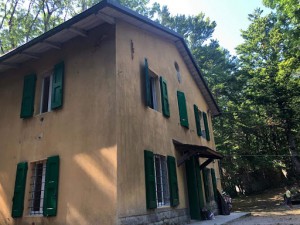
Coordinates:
x,y
154,87
156,91
201,123
46,93
206,126
52,92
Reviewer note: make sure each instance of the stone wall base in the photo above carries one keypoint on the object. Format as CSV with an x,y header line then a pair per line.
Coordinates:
x,y
158,217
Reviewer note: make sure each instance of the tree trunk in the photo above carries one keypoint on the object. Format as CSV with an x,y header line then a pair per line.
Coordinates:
x,y
293,151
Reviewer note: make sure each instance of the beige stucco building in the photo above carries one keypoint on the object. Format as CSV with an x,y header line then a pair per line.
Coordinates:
x,y
105,120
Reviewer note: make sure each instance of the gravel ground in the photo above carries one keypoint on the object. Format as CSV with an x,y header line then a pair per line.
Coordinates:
x,y
280,216
266,209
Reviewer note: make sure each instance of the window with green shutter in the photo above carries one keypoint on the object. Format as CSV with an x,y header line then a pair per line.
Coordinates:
x,y
205,120
161,180
164,97
57,86
147,85
173,184
152,89
150,180
46,92
27,107
148,97
182,109
19,192
37,188
51,186
197,120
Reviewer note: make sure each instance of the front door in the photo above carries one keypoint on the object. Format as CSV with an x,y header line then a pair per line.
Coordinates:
x,y
195,190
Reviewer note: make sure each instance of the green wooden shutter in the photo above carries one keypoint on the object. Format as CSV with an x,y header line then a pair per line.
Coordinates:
x,y
206,126
199,184
182,109
194,191
214,182
150,180
205,172
164,97
27,106
197,119
148,97
51,186
19,192
57,86
173,183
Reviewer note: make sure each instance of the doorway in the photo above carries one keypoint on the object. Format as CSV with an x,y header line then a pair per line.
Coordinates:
x,y
195,189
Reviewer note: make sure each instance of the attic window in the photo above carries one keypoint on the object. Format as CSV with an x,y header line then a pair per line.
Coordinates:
x,y
177,71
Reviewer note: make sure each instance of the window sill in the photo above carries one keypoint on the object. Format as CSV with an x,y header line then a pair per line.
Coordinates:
x,y
155,110
164,207
42,114
30,216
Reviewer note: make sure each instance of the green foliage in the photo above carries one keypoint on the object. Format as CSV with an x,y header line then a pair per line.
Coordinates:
x,y
259,129
291,8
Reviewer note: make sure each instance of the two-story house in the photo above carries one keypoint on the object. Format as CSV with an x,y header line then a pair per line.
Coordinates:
x,y
105,119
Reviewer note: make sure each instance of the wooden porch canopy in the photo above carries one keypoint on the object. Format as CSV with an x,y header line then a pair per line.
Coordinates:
x,y
196,150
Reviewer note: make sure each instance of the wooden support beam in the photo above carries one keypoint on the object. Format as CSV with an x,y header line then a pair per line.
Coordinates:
x,y
52,44
30,55
203,165
185,157
11,65
81,32
106,18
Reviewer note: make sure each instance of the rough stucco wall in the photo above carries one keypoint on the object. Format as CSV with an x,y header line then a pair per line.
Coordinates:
x,y
139,127
82,133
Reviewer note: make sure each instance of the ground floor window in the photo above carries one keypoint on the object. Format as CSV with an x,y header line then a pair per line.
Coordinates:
x,y
37,187
161,180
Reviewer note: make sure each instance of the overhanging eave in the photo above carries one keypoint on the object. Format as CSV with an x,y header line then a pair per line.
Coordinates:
x,y
198,151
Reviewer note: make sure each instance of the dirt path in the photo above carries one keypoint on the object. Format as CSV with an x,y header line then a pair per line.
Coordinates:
x,y
266,209
280,216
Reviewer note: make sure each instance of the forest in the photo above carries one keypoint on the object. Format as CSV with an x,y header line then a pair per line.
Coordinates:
x,y
258,90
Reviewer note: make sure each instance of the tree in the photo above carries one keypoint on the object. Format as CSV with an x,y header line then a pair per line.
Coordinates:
x,y
22,20
291,8
269,59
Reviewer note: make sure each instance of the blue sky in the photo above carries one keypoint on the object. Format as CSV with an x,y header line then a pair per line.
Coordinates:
x,y
230,15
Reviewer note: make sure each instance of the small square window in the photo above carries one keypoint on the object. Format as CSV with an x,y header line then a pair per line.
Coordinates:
x,y
37,187
46,93
161,180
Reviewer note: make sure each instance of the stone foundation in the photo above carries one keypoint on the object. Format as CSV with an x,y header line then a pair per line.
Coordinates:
x,y
158,217
213,207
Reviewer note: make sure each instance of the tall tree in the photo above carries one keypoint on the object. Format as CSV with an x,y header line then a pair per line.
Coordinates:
x,y
22,20
269,60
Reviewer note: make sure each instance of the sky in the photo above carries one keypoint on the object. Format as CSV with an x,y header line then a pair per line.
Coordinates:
x,y
231,16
